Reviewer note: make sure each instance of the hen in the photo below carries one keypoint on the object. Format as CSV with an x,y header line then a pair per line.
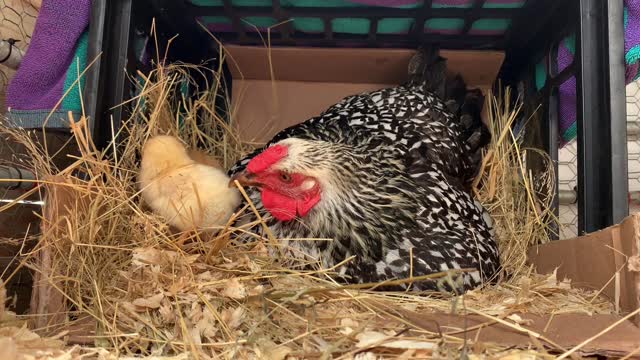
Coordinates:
x,y
386,175
189,194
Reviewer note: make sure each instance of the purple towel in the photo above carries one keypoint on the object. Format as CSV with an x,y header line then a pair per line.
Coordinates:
x,y
39,84
632,39
566,96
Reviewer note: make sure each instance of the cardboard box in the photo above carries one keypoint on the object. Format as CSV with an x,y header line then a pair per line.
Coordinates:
x,y
280,87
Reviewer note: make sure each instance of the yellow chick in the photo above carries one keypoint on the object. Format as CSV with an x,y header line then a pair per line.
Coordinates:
x,y
188,194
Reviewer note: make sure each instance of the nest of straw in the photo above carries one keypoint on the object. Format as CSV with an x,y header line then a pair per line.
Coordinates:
x,y
118,267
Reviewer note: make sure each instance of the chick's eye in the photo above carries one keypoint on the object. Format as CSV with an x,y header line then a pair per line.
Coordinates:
x,y
285,177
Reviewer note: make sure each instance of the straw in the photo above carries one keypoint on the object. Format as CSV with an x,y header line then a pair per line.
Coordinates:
x,y
519,201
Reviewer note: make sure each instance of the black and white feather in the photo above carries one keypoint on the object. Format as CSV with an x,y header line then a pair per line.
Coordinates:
x,y
397,165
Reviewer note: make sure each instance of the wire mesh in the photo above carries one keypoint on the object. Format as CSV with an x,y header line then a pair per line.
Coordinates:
x,y
633,145
568,181
568,165
17,20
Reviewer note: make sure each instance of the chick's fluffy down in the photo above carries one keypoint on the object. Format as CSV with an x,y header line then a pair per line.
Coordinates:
x,y
189,195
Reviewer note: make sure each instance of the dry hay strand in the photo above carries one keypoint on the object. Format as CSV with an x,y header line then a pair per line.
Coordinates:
x,y
19,342
117,267
519,200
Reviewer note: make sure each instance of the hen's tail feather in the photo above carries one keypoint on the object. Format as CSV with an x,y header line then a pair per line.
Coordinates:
x,y
475,131
456,91
429,70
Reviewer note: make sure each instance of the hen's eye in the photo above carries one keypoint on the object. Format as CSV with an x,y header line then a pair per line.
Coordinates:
x,y
285,177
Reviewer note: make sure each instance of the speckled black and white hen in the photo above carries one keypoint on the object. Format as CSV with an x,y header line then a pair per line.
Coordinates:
x,y
386,175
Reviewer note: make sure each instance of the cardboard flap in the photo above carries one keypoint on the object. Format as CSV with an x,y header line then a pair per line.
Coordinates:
x,y
566,330
600,260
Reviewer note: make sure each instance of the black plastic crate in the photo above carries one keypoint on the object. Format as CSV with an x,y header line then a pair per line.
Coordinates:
x,y
530,38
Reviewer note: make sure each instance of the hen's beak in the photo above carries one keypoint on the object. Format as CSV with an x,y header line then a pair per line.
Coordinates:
x,y
245,179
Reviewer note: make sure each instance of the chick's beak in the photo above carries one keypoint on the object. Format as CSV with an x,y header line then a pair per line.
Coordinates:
x,y
244,178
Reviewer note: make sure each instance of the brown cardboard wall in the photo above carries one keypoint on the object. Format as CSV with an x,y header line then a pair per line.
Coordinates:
x,y
374,66
264,107
279,87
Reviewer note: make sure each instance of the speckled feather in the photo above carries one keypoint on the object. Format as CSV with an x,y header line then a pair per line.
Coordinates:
x,y
401,165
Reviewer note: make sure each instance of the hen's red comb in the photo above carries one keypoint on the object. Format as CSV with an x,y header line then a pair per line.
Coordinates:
x,y
267,158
